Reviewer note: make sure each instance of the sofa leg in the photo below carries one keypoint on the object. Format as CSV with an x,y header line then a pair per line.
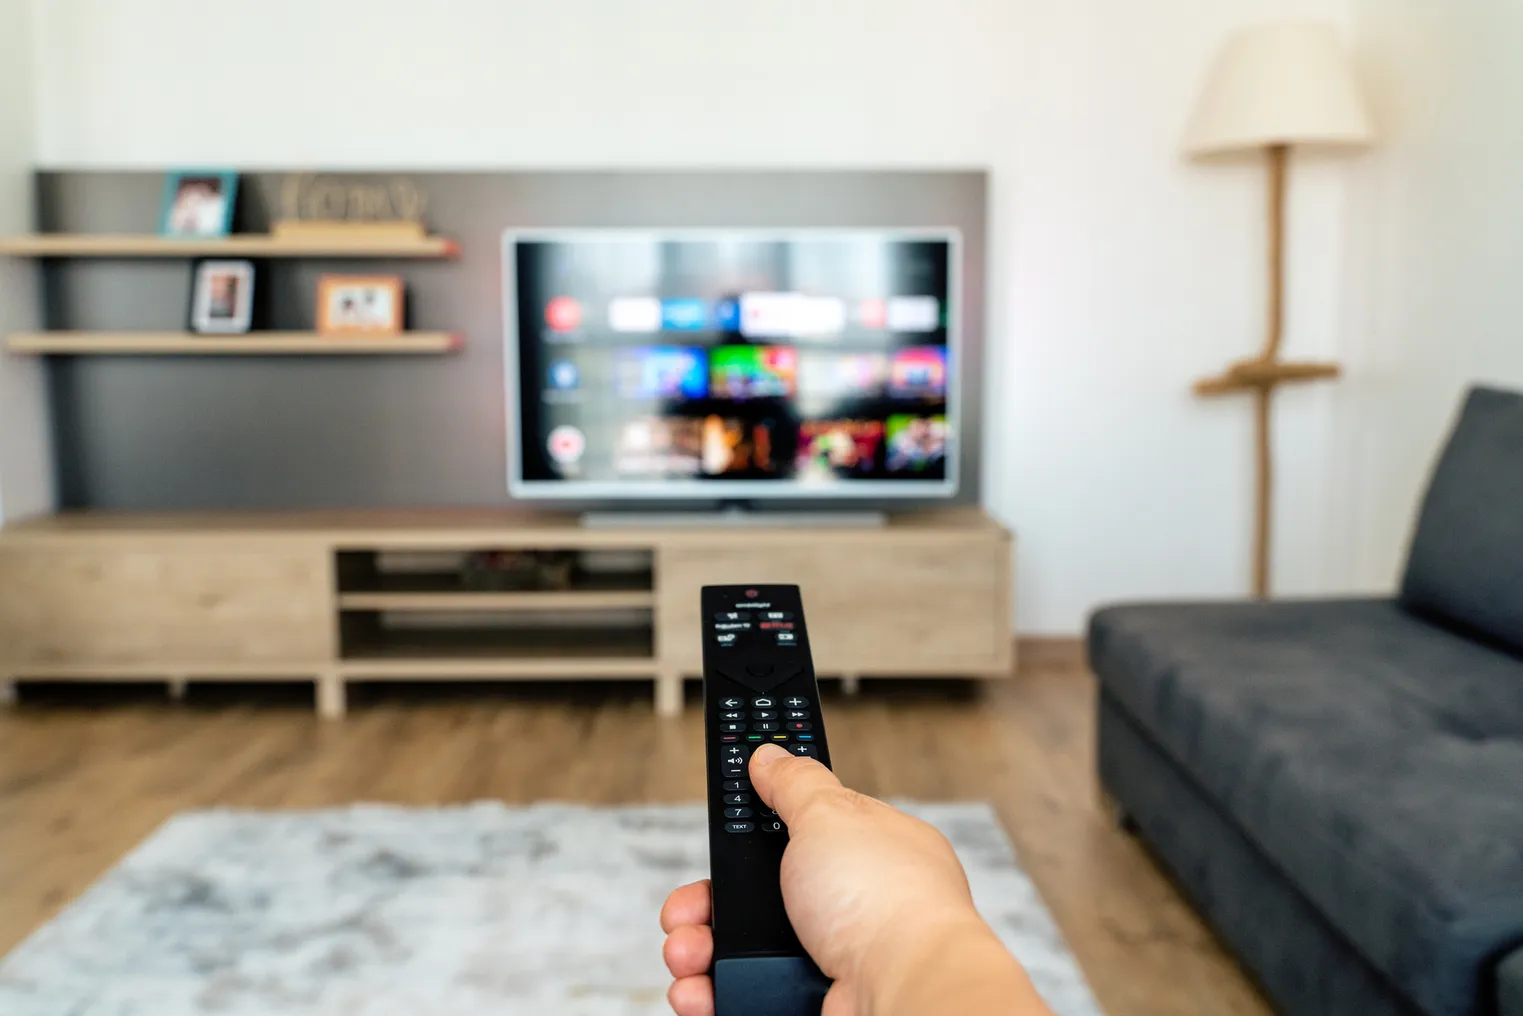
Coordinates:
x,y
1113,810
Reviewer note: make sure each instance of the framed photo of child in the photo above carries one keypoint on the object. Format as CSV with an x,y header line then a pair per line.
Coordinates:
x,y
359,305
199,204
222,297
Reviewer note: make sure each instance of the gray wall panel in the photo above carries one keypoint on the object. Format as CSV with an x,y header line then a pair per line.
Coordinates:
x,y
270,432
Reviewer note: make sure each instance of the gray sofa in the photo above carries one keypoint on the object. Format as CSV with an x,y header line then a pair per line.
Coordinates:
x,y
1338,785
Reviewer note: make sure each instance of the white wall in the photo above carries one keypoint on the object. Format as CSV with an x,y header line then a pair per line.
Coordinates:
x,y
26,480
1435,253
1120,273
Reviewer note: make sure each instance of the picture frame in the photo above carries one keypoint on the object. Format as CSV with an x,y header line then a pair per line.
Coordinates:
x,y
222,296
198,204
360,305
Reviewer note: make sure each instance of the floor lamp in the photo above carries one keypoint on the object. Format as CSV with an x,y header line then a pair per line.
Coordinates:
x,y
1274,88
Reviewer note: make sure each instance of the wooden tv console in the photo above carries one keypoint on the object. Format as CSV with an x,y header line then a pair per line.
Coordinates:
x,y
313,597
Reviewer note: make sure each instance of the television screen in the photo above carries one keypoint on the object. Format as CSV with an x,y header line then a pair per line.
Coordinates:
x,y
731,364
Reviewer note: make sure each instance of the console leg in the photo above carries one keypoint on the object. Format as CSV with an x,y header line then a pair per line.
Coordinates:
x,y
177,688
331,697
851,684
668,694
7,692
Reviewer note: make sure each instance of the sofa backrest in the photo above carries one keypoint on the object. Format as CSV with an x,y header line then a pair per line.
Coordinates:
x,y
1466,564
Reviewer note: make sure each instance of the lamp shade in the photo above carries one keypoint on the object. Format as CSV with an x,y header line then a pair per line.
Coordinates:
x,y
1283,84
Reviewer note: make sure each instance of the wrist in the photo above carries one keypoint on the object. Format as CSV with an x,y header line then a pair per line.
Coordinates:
x,y
938,962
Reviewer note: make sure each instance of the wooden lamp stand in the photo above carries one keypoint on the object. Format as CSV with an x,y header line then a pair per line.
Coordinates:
x,y
1274,86
1264,374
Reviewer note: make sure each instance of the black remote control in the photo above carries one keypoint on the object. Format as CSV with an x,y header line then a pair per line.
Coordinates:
x,y
758,688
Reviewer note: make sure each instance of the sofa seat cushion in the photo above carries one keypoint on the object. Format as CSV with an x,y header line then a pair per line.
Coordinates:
x,y
1377,759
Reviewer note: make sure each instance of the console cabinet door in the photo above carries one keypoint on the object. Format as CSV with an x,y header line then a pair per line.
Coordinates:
x,y
890,607
111,604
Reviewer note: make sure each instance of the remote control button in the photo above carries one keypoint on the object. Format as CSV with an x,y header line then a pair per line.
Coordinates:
x,y
736,714
737,813
733,728
764,714
732,703
765,728
739,827
796,726
758,669
805,750
792,714
779,737
733,626
778,615
736,785
803,737
773,825
764,703
784,638
737,799
733,615
794,701
756,738
727,639
728,738
732,760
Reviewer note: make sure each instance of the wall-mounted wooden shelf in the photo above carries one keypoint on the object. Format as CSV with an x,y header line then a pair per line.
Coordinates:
x,y
253,344
94,245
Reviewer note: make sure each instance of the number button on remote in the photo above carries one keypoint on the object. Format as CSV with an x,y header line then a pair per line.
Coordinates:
x,y
734,786
737,813
737,799
772,825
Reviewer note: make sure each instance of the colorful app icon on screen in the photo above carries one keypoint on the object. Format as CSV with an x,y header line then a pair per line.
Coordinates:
x,y
660,446
753,372
727,315
838,375
736,446
914,314
919,372
563,314
662,372
916,443
564,376
684,315
834,448
872,314
566,445
638,315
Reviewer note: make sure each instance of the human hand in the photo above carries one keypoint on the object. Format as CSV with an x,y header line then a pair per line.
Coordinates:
x,y
877,898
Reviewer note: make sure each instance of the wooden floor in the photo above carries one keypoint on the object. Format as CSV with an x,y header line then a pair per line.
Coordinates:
x,y
81,784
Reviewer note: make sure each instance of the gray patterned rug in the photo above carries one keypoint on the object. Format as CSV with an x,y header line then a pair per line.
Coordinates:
x,y
476,911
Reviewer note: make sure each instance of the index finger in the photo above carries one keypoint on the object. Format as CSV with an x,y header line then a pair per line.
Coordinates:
x,y
787,783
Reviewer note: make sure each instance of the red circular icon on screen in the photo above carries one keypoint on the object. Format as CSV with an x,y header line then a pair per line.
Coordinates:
x,y
752,593
563,314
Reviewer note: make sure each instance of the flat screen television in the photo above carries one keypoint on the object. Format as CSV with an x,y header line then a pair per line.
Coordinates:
x,y
732,364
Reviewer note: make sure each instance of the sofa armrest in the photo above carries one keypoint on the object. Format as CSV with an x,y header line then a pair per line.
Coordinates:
x,y
1510,984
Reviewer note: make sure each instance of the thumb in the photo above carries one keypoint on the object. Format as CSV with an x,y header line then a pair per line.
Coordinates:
x,y
787,783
